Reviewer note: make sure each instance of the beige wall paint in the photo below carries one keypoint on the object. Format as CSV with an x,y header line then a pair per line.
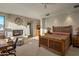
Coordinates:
x,y
64,19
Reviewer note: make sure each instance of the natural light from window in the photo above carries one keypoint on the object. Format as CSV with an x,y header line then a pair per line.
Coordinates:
x,y
1,23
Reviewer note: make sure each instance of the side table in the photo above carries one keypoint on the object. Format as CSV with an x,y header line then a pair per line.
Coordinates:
x,y
75,41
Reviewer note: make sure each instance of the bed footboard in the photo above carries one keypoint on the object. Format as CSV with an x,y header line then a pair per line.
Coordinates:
x,y
57,46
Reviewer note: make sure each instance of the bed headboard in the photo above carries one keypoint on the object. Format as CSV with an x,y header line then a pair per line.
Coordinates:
x,y
65,29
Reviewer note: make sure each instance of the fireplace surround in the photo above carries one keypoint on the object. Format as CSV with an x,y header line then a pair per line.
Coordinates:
x,y
17,32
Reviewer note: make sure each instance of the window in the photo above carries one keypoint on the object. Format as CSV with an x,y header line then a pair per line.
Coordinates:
x,y
2,18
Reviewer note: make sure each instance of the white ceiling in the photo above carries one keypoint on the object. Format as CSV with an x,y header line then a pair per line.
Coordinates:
x,y
35,10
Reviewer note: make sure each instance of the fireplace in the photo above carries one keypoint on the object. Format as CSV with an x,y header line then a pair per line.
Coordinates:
x,y
17,32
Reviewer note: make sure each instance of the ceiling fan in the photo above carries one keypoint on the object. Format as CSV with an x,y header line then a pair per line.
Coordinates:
x,y
45,5
76,6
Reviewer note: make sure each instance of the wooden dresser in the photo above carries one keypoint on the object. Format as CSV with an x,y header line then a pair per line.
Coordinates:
x,y
75,41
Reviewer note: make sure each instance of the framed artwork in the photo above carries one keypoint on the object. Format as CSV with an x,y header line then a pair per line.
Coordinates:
x,y
18,21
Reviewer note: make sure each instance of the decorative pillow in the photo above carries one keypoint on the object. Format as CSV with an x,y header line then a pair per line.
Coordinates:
x,y
13,39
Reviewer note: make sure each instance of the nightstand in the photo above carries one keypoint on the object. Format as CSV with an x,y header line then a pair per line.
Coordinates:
x,y
75,41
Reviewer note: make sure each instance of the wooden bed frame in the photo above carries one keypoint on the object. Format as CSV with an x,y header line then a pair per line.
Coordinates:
x,y
58,46
65,29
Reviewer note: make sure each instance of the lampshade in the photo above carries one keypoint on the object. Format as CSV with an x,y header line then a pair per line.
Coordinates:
x,y
48,28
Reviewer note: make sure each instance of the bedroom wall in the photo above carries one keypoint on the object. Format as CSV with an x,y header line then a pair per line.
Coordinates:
x,y
11,25
64,19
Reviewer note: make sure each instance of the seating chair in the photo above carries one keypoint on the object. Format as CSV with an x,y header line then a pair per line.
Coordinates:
x,y
11,50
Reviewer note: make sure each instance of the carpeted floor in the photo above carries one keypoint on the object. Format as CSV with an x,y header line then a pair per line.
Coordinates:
x,y
31,48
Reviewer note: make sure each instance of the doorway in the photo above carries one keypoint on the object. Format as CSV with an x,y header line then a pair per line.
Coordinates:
x,y
37,30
